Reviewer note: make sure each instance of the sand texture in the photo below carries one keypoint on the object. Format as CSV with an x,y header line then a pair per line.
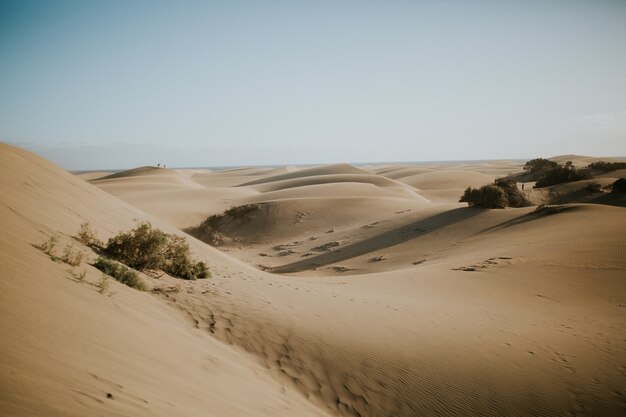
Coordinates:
x,y
340,291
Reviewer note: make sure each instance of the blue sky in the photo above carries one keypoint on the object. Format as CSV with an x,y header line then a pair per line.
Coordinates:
x,y
113,84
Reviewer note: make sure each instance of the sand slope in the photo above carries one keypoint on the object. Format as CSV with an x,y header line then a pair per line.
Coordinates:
x,y
463,311
65,346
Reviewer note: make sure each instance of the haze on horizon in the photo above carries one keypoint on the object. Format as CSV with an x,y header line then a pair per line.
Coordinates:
x,y
120,84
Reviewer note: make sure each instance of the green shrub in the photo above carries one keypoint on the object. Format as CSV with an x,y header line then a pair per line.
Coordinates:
x,y
514,196
619,186
147,248
487,196
539,165
607,166
120,272
178,262
561,174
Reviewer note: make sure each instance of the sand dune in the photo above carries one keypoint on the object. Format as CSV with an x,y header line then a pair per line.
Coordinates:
x,y
65,346
336,169
448,179
401,308
402,172
325,179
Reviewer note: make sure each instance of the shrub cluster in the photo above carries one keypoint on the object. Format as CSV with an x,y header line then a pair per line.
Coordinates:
x,y
87,236
619,186
514,196
503,194
488,196
561,174
147,248
120,272
607,166
539,165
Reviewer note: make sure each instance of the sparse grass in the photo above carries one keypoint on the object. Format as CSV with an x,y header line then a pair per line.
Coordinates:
x,y
103,284
488,196
72,257
87,236
209,230
48,246
80,276
607,166
120,273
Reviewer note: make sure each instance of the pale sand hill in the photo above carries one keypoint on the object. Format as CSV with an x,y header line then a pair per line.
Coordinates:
x,y
410,333
315,171
89,176
447,179
65,346
536,329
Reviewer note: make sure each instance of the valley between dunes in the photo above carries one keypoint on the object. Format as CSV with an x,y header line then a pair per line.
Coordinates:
x,y
346,291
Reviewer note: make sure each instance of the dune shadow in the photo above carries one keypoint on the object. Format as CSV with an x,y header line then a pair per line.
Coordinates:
x,y
382,241
539,213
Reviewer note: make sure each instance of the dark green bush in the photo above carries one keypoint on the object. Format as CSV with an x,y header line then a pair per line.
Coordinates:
x,y
539,165
147,248
593,187
619,186
607,166
561,174
514,196
487,196
120,272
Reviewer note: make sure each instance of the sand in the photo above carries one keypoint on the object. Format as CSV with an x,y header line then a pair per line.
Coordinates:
x,y
350,291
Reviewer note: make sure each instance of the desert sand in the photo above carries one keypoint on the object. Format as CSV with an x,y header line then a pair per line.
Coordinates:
x,y
345,291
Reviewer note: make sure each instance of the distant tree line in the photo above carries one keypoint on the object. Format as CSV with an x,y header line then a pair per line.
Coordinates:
x,y
607,166
546,172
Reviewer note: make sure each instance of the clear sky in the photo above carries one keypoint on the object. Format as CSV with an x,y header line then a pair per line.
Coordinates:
x,y
117,84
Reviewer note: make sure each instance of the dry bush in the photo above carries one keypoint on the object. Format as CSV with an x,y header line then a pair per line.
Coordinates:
x,y
49,245
87,236
72,257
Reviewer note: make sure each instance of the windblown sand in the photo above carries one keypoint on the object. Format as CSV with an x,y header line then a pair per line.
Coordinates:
x,y
350,291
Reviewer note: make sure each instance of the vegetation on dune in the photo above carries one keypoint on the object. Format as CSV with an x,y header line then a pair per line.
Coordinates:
x,y
72,257
607,166
145,247
210,230
488,196
561,174
593,187
48,246
539,165
87,236
514,196
120,273
546,172
504,193
619,186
